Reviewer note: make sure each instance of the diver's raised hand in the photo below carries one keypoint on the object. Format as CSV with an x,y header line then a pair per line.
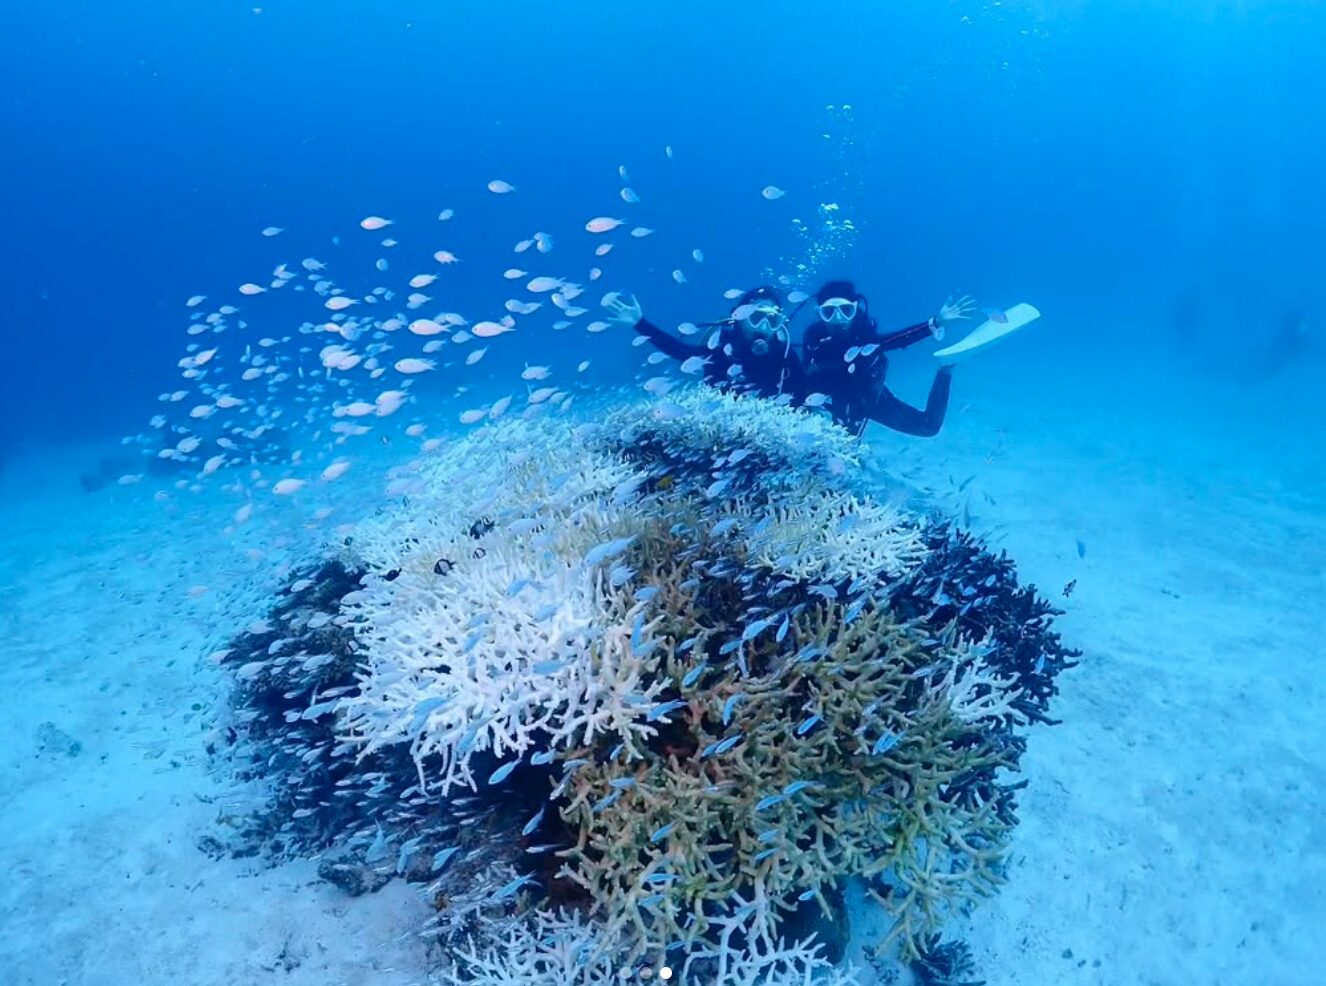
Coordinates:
x,y
623,308
955,310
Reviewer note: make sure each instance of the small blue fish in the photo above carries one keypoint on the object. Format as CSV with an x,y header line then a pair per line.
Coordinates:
x,y
763,854
729,647
442,858
543,757
695,364
422,710
606,802
723,526
729,706
662,832
653,899
807,725
609,549
796,787
768,835
543,848
885,743
663,709
782,629
619,575
766,803
728,743
533,823
737,456
660,877
511,888
806,895
378,849
755,629
816,400
516,586
622,783
471,736
709,750
503,772
646,594
693,675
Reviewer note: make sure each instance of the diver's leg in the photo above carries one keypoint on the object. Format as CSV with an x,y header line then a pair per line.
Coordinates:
x,y
893,413
936,404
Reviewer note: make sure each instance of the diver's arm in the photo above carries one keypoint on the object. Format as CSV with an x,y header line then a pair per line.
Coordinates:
x,y
910,336
668,344
889,411
950,312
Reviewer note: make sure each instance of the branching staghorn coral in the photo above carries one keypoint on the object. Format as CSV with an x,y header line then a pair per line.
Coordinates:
x,y
844,759
562,948
684,679
815,534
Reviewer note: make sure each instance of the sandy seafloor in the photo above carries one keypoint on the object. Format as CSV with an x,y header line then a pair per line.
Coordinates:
x,y
1174,830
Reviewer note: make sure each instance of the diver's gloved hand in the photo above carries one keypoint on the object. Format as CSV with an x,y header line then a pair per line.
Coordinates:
x,y
623,308
950,312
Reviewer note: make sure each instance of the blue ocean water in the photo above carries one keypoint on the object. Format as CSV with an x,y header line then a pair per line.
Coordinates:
x,y
1148,175
1101,158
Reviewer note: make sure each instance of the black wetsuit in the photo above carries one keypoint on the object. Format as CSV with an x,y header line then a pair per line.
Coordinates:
x,y
856,389
776,372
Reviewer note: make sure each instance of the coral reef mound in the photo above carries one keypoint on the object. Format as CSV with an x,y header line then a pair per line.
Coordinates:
x,y
650,689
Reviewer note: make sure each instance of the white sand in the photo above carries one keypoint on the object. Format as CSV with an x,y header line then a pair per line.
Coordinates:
x,y
1172,832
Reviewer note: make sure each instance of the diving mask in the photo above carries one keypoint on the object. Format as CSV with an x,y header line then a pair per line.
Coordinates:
x,y
763,319
762,325
838,311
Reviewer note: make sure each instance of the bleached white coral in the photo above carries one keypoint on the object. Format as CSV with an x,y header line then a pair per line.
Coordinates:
x,y
819,534
564,949
788,443
522,637
546,949
973,690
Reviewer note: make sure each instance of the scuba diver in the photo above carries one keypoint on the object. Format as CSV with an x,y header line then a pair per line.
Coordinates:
x,y
753,353
843,356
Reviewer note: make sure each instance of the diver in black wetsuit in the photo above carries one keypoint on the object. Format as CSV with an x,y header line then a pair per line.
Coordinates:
x,y
753,352
843,356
